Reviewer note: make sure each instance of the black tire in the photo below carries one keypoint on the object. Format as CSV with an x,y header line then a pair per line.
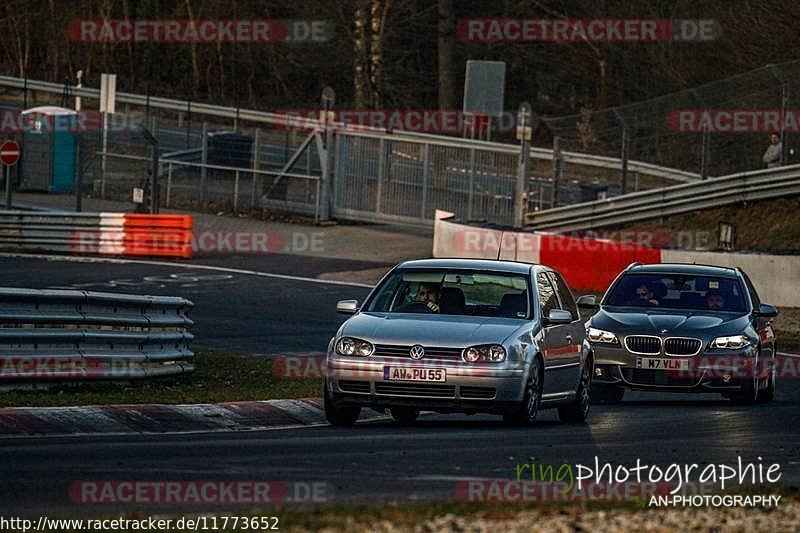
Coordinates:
x,y
404,415
750,392
339,415
525,413
607,394
767,394
578,409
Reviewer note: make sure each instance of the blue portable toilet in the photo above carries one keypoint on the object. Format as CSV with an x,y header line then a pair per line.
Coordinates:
x,y
49,140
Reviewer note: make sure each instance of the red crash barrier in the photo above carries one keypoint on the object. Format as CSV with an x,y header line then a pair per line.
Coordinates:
x,y
591,264
158,235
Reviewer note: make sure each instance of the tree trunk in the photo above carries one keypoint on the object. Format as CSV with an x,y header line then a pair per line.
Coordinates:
x,y
447,82
359,55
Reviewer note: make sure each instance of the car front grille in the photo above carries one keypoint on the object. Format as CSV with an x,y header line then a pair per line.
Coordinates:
x,y
682,346
656,378
431,352
415,389
360,387
478,393
643,344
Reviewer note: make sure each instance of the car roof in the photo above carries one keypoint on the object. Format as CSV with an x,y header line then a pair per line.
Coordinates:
x,y
512,267
683,268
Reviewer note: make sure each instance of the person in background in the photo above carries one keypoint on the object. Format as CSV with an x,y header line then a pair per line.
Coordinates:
x,y
772,156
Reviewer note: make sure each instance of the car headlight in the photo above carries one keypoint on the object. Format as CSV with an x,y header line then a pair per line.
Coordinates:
x,y
486,353
354,347
734,342
598,335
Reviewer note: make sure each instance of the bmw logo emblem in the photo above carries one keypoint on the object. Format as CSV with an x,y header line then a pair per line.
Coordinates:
x,y
417,351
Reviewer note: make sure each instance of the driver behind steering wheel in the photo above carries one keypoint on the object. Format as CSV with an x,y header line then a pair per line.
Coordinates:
x,y
428,294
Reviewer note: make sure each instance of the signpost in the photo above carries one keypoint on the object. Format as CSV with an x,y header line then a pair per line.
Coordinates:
x,y
9,156
525,125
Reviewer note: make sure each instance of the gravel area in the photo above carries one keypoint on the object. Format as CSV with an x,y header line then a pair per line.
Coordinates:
x,y
784,518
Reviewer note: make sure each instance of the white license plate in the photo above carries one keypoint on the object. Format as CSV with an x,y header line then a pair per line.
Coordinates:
x,y
658,363
414,373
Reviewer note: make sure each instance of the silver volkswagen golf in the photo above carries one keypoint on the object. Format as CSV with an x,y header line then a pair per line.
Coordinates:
x,y
461,335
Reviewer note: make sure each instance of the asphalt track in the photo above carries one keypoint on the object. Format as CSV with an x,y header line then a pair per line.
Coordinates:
x,y
371,462
233,311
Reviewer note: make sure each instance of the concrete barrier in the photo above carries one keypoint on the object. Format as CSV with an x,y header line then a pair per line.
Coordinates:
x,y
591,264
776,277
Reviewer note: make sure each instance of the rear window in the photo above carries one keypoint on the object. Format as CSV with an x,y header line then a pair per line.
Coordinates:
x,y
678,291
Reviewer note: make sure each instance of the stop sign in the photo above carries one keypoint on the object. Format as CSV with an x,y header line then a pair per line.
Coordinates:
x,y
9,153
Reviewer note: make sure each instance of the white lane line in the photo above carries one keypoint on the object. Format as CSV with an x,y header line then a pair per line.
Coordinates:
x,y
78,259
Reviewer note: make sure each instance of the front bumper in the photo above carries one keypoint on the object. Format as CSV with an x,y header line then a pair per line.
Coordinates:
x,y
468,388
709,371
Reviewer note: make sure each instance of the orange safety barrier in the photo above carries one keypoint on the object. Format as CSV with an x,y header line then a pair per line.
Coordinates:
x,y
158,236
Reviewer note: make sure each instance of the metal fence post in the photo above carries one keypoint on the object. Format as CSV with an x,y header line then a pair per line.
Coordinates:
x,y
471,193
328,98
381,174
236,191
104,145
256,161
524,135
78,172
204,162
625,156
169,182
426,177
705,157
327,175
784,106
558,168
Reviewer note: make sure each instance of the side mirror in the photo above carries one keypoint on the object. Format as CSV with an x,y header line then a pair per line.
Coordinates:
x,y
767,311
347,307
588,301
558,316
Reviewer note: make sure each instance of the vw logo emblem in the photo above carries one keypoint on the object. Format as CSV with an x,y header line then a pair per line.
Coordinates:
x,y
417,352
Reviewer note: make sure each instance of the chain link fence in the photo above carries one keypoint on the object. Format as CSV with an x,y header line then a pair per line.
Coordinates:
x,y
669,130
228,163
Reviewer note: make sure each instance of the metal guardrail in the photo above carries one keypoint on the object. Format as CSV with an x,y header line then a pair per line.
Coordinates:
x,y
667,201
97,233
283,120
56,336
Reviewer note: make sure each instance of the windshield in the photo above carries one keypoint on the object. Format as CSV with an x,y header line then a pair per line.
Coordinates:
x,y
454,292
678,291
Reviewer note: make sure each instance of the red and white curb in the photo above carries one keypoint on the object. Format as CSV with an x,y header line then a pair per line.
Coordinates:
x,y
158,418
